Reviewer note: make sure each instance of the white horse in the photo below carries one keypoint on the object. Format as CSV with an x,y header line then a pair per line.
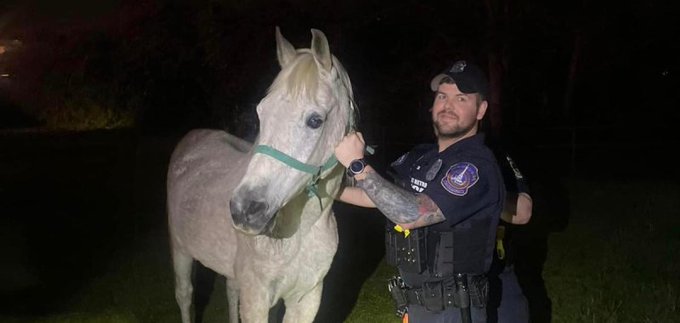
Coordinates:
x,y
261,214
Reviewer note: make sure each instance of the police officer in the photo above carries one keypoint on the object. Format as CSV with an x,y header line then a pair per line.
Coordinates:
x,y
447,201
507,302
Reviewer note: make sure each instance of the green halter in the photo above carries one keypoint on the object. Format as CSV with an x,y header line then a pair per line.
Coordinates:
x,y
316,171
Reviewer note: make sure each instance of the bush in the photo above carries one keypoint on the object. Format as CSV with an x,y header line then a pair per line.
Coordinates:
x,y
85,114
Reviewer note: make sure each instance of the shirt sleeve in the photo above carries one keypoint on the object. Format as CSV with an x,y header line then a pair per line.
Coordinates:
x,y
400,169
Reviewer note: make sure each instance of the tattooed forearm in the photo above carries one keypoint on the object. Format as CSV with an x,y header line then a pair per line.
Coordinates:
x,y
429,212
398,204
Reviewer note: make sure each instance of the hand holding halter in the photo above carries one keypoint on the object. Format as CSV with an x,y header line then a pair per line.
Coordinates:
x,y
350,148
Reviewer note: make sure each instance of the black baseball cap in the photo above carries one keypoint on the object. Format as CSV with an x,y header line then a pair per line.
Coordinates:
x,y
468,77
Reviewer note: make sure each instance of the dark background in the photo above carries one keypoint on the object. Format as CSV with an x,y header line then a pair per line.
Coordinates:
x,y
603,72
580,89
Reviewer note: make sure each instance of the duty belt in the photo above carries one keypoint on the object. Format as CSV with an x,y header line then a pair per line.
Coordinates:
x,y
417,296
448,295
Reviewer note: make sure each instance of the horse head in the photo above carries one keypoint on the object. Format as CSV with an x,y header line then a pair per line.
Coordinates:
x,y
306,112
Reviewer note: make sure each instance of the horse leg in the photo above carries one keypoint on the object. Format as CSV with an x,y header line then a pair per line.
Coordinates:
x,y
306,308
254,303
183,286
232,299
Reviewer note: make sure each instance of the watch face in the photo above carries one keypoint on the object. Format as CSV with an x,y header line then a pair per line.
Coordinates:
x,y
356,166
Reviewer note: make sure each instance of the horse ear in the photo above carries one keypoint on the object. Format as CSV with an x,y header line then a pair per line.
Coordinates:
x,y
321,50
284,49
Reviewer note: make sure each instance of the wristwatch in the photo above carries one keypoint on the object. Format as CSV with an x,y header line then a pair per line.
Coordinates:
x,y
356,167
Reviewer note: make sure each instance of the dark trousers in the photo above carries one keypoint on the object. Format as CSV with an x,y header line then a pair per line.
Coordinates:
x,y
418,314
507,303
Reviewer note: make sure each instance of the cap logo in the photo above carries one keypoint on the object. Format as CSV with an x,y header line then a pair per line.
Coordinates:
x,y
458,67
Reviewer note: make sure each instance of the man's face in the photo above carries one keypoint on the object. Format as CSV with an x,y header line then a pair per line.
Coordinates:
x,y
455,114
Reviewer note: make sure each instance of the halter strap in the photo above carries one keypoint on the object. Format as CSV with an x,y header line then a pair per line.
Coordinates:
x,y
292,162
316,171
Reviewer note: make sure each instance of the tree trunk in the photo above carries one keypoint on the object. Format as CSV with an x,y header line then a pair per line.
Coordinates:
x,y
495,111
571,77
497,13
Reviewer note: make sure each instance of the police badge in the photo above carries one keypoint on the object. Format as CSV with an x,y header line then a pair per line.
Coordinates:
x,y
434,169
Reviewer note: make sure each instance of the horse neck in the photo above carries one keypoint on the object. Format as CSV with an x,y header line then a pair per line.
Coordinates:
x,y
304,212
299,219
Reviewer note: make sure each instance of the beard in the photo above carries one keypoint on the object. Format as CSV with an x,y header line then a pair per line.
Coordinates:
x,y
451,131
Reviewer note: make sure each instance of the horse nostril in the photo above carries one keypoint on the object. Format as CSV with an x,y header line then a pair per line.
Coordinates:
x,y
247,211
254,209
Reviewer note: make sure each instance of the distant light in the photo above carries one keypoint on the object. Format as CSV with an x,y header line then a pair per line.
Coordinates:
x,y
665,73
4,75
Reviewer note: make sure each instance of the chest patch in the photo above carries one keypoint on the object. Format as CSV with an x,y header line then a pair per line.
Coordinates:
x,y
459,178
432,172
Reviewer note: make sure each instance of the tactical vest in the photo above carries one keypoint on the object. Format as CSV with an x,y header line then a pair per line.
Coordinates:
x,y
436,253
438,250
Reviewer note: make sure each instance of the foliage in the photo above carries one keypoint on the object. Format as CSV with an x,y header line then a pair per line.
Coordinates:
x,y
84,114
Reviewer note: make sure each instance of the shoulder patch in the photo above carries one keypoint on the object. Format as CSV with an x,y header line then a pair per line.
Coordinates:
x,y
459,178
400,160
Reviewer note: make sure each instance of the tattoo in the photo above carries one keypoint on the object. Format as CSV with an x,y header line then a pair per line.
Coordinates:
x,y
398,204
429,212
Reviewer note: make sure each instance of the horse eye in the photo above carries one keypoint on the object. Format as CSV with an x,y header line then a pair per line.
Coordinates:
x,y
314,121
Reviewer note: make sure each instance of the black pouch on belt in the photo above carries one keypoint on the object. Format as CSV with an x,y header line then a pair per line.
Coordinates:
x,y
433,296
391,247
407,252
479,290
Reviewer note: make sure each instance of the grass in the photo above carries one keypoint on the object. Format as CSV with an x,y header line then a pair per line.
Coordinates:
x,y
615,261
374,303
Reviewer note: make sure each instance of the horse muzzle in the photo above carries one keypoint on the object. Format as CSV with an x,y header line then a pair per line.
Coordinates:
x,y
249,215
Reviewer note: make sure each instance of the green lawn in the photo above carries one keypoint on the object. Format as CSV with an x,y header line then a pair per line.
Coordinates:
x,y
615,262
82,256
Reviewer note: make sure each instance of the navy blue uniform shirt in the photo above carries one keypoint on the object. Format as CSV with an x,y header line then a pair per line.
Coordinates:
x,y
515,183
466,184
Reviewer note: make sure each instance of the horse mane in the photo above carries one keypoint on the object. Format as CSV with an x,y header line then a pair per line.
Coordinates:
x,y
301,78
